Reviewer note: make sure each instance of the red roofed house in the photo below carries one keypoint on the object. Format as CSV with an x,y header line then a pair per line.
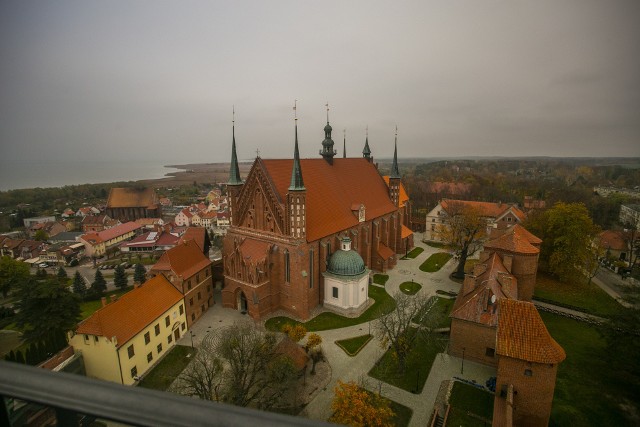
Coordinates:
x,y
129,204
183,218
97,244
615,243
498,216
200,236
189,271
289,217
123,339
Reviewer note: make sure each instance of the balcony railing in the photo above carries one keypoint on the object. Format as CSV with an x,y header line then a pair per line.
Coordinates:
x,y
34,396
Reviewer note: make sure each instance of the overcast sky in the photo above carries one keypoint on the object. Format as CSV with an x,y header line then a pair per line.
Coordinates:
x,y
157,80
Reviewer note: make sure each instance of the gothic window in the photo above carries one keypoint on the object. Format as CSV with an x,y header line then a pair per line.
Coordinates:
x,y
310,268
287,276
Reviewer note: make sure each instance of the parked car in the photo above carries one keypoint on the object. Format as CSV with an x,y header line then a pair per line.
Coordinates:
x,y
43,265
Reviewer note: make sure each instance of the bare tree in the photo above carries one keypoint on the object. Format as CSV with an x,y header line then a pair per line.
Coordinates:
x,y
394,327
464,230
203,377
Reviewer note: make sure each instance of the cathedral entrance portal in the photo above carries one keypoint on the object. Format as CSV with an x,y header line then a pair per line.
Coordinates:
x,y
242,302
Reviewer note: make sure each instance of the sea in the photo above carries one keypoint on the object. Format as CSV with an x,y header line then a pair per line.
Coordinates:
x,y
16,175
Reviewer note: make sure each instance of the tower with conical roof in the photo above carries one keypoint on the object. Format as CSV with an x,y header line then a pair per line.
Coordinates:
x,y
297,194
327,151
235,184
366,152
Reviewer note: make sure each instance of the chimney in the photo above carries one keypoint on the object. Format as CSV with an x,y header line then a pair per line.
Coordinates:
x,y
114,298
507,261
136,285
104,301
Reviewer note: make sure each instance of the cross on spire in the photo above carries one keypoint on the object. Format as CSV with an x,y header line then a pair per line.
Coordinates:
x,y
327,105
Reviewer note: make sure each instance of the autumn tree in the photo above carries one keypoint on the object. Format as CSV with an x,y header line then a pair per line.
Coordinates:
x,y
463,229
120,277
255,373
394,325
313,345
567,234
45,308
41,235
354,406
294,332
12,274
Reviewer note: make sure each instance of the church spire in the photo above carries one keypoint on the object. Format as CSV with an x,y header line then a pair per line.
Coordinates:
x,y
297,184
344,145
234,171
327,151
395,172
366,153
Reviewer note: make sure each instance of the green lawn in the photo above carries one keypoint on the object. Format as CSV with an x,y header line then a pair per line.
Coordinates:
x,y
466,398
435,262
352,346
439,312
167,370
437,245
589,298
328,320
89,307
380,279
588,391
410,288
414,253
402,414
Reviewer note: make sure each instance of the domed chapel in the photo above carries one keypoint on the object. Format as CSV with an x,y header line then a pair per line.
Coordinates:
x,y
308,232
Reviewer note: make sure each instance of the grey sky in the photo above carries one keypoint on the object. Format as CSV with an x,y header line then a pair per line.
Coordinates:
x,y
149,79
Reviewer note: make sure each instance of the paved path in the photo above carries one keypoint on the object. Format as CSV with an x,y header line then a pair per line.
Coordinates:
x,y
609,290
356,368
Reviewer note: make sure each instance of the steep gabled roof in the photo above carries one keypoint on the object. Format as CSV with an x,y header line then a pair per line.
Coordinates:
x,y
404,197
486,209
133,312
515,239
185,260
331,190
132,197
523,335
197,234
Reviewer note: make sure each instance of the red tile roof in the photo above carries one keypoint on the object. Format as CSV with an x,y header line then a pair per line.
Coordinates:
x,y
515,239
405,231
253,251
112,233
404,197
613,239
185,260
132,197
196,234
332,190
523,335
133,312
384,251
486,209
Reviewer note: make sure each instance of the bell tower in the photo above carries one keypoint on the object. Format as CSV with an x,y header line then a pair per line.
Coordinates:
x,y
327,151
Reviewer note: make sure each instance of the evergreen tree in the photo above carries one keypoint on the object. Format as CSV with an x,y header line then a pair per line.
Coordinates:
x,y
11,357
120,277
62,275
30,356
41,273
20,357
140,273
79,286
99,285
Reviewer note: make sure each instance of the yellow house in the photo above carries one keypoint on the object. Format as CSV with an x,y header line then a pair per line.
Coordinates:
x,y
123,339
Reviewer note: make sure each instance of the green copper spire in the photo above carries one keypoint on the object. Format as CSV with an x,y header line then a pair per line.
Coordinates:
x,y
366,153
297,184
234,171
395,173
327,151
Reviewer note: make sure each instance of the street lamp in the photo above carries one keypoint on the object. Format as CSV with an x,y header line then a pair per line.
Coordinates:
x,y
192,335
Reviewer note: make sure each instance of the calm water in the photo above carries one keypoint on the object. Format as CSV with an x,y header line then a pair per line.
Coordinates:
x,y
58,174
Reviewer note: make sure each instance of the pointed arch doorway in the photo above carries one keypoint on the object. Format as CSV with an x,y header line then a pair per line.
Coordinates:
x,y
242,303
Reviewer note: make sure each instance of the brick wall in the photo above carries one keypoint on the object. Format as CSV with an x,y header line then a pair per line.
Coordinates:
x,y
533,386
474,339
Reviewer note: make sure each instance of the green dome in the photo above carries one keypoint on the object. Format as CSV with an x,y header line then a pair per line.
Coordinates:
x,y
346,262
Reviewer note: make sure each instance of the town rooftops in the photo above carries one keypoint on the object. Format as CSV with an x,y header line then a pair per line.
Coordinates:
x,y
132,198
197,234
331,190
515,239
613,239
111,233
185,260
486,209
523,335
133,312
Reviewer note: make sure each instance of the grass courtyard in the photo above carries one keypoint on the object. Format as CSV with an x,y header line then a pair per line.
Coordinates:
x,y
352,346
167,370
435,262
413,253
329,320
467,399
410,288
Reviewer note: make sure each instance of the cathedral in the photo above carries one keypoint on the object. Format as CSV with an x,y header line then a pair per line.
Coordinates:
x,y
290,216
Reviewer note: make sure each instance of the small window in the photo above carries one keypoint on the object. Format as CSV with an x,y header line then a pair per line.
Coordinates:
x,y
206,272
334,291
491,352
134,371
167,321
199,296
130,351
149,357
193,317
169,339
198,278
528,372
86,339
189,284
95,338
190,301
157,329
159,348
181,310
183,326
147,338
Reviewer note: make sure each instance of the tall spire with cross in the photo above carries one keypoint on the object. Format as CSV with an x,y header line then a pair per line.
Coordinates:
x,y
297,184
234,171
327,151
344,145
395,172
366,153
